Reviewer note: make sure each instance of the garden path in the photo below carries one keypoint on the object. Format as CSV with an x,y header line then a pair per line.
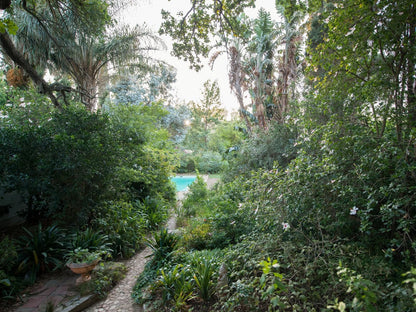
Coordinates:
x,y
119,299
57,290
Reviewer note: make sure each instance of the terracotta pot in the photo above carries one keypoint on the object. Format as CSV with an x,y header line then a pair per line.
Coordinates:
x,y
84,269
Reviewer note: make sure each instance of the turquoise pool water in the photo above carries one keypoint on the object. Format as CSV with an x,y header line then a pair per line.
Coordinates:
x,y
182,182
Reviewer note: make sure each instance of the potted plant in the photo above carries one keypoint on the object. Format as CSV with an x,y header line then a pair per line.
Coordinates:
x,y
83,261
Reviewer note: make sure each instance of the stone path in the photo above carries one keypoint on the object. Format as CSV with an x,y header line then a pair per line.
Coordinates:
x,y
119,299
49,292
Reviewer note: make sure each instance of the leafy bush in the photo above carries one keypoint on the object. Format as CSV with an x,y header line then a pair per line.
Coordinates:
x,y
60,161
182,282
124,225
154,211
8,262
196,197
186,163
66,162
210,162
103,278
264,150
197,237
175,286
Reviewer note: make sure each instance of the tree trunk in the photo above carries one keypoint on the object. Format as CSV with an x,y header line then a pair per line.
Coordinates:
x,y
89,89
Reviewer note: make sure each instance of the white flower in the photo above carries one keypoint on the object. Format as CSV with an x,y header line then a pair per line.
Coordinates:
x,y
285,225
240,205
30,120
353,211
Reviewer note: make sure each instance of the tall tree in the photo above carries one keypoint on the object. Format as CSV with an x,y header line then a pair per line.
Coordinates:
x,y
259,64
288,63
205,115
60,43
194,31
368,57
91,16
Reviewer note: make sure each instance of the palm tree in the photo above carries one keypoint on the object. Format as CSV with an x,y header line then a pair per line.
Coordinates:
x,y
288,61
259,65
61,44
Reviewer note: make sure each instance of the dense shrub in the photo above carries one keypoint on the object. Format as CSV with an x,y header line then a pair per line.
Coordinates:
x,y
210,162
61,162
186,163
264,150
195,199
9,285
124,225
65,162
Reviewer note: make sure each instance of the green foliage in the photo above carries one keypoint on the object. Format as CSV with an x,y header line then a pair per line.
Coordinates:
x,y
197,236
89,239
186,278
40,251
79,255
365,292
103,278
210,162
175,286
186,163
8,263
196,196
265,150
204,271
272,268
162,244
208,18
123,224
61,162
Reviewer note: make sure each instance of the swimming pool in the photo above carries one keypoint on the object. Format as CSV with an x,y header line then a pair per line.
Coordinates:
x,y
182,182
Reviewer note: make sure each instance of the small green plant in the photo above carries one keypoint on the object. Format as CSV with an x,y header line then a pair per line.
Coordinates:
x,y
366,293
80,255
175,285
271,268
90,239
103,278
411,279
8,261
204,271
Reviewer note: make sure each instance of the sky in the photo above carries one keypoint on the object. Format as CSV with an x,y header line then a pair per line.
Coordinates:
x,y
189,84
